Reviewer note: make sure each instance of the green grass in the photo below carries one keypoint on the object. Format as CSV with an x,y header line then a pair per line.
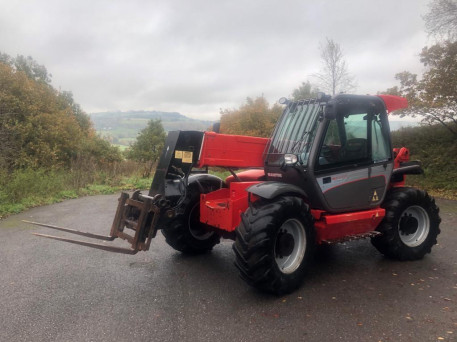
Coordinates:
x,y
31,188
26,189
219,172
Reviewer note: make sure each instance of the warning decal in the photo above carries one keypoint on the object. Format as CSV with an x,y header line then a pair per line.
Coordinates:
x,y
187,157
375,197
178,154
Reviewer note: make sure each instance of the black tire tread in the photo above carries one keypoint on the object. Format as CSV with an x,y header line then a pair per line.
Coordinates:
x,y
396,201
255,237
177,234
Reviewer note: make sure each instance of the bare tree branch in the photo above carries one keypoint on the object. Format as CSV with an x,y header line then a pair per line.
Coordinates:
x,y
334,76
441,20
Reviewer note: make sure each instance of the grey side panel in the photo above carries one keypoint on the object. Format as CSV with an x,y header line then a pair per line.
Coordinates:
x,y
380,175
271,190
331,181
356,190
346,190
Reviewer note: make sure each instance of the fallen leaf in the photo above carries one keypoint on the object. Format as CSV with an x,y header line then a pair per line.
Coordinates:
x,y
300,297
440,338
394,274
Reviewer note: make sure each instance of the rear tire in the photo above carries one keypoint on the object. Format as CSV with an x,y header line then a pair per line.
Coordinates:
x,y
274,243
411,225
185,232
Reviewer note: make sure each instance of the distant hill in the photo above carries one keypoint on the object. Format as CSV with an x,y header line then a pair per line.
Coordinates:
x,y
121,128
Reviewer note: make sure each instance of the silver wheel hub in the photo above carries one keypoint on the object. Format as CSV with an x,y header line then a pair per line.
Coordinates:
x,y
414,226
290,246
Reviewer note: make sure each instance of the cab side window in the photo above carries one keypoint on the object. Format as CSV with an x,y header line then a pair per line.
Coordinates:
x,y
345,142
379,143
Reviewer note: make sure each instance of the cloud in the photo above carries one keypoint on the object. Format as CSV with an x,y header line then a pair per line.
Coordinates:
x,y
196,57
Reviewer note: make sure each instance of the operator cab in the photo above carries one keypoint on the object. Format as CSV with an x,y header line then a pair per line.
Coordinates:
x,y
336,149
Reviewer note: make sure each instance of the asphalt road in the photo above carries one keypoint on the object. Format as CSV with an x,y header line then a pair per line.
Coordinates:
x,y
53,291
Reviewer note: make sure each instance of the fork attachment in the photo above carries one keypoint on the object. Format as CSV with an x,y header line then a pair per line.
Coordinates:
x,y
140,213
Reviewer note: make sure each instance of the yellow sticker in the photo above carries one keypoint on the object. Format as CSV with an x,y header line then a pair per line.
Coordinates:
x,y
178,154
187,157
375,197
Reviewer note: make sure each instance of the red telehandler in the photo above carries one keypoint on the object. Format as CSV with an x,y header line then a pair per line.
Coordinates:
x,y
328,174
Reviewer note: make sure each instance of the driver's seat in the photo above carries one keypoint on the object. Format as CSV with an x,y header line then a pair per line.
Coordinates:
x,y
354,149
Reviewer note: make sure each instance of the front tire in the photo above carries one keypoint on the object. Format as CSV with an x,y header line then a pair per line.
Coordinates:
x,y
274,243
411,225
185,232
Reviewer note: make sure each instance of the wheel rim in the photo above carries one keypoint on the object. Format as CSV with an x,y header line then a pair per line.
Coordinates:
x,y
414,226
196,228
290,246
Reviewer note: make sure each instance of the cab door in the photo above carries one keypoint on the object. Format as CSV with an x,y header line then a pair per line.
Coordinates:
x,y
354,161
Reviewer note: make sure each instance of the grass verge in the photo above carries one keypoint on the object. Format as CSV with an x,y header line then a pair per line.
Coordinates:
x,y
27,189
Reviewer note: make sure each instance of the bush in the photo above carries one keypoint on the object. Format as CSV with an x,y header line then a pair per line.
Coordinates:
x,y
436,148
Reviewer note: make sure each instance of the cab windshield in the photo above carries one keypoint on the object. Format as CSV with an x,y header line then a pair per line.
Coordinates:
x,y
294,132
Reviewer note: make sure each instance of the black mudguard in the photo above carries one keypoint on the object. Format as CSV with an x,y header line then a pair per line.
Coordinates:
x,y
270,190
409,168
205,182
406,168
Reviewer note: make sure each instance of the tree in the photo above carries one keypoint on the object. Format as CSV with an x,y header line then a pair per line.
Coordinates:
x,y
305,91
67,102
148,145
41,127
434,97
32,69
334,76
441,20
255,118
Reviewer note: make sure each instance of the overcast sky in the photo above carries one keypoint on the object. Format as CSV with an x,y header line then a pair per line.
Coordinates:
x,y
195,57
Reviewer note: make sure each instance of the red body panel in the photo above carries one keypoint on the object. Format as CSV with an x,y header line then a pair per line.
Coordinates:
x,y
232,150
247,176
401,156
338,226
394,102
223,208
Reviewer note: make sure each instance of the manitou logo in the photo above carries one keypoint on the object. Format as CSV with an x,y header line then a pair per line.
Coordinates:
x,y
274,175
